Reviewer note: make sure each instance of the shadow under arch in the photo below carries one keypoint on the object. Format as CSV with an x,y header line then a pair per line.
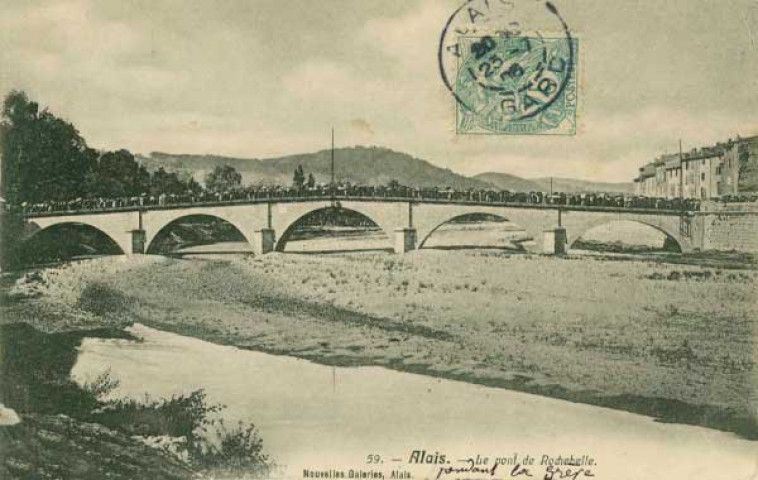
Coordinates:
x,y
62,242
474,218
195,230
670,241
335,212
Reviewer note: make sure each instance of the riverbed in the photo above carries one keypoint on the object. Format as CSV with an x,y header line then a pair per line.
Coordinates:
x,y
322,418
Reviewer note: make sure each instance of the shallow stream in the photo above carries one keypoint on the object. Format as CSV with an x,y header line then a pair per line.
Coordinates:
x,y
332,419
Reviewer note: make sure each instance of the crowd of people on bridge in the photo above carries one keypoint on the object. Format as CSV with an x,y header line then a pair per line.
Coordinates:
x,y
388,192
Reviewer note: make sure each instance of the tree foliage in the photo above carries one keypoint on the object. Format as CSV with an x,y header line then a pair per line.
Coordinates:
x,y
169,183
223,178
44,157
118,174
298,179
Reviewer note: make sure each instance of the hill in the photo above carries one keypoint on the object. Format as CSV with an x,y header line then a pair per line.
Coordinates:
x,y
505,181
570,185
364,165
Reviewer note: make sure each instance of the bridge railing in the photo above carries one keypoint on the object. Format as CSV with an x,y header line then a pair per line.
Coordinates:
x,y
533,200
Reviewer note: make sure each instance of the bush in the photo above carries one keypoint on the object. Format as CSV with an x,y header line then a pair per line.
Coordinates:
x,y
223,451
238,450
101,386
184,415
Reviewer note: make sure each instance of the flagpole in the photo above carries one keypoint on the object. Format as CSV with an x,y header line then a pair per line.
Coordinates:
x,y
332,186
684,227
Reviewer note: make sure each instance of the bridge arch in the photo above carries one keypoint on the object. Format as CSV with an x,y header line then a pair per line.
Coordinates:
x,y
474,214
670,234
33,231
289,228
429,218
156,235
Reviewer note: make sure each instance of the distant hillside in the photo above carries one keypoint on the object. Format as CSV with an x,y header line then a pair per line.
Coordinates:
x,y
364,165
567,185
570,185
504,181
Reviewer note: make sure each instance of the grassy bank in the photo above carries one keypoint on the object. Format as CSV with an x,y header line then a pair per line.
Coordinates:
x,y
676,342
53,427
57,435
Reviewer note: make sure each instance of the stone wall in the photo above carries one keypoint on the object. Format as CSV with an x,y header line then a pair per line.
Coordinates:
x,y
731,230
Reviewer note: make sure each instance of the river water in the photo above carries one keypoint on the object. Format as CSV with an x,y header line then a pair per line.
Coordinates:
x,y
324,418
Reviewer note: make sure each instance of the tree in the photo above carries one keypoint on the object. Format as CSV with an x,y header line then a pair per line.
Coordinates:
x,y
118,174
44,157
311,181
193,185
298,179
223,178
166,182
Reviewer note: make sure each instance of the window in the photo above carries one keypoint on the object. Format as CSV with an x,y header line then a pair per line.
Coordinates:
x,y
702,177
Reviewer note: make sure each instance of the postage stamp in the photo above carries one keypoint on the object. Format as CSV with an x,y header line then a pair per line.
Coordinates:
x,y
508,70
516,86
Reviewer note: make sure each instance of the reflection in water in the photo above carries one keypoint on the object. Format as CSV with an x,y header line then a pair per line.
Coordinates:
x,y
319,417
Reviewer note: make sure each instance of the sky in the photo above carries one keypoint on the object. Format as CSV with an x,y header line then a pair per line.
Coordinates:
x,y
263,78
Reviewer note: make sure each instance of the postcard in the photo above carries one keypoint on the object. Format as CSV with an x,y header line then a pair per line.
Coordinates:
x,y
379,239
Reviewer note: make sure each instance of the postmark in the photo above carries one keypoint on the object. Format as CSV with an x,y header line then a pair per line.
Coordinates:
x,y
511,68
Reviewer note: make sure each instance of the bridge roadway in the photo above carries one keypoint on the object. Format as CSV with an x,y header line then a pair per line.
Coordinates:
x,y
268,223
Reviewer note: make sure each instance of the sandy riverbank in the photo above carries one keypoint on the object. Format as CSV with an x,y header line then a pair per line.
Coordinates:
x,y
673,341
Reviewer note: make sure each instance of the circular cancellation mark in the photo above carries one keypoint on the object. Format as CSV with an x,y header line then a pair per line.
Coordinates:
x,y
510,65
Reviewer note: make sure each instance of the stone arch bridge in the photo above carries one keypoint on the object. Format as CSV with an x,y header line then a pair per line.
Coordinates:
x,y
266,224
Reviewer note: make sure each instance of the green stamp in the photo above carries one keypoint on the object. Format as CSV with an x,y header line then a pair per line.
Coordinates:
x,y
509,85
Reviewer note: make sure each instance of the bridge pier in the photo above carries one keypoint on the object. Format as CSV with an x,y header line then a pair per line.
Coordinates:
x,y
139,239
554,241
264,241
405,240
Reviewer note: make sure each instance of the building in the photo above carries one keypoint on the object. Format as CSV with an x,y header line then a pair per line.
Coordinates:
x,y
646,181
724,169
700,172
739,172
673,177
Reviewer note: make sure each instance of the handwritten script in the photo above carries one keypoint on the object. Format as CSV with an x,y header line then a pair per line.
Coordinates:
x,y
471,471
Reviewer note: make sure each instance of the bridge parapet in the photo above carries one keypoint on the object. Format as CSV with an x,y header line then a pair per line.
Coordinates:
x,y
266,223
403,200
